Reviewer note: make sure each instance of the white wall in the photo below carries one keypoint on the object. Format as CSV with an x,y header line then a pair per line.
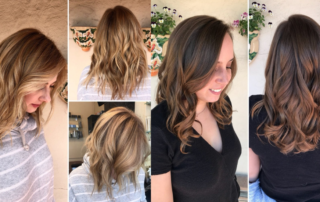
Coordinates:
x,y
228,11
281,11
88,13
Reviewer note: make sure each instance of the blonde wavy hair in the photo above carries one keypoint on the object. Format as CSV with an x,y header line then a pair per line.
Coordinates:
x,y
119,58
28,60
117,149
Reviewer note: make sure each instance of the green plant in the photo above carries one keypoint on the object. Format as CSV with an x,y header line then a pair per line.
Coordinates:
x,y
256,16
163,23
242,24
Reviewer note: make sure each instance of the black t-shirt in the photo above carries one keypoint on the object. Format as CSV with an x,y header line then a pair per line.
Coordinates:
x,y
203,174
291,177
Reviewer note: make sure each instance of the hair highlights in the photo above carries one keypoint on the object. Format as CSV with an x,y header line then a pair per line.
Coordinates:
x,y
193,50
28,59
119,57
117,149
292,90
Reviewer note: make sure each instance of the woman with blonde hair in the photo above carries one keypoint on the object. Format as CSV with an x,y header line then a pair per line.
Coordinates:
x,y
112,168
118,69
284,126
195,150
31,71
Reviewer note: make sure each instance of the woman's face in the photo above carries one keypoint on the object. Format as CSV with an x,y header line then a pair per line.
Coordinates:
x,y
221,76
35,99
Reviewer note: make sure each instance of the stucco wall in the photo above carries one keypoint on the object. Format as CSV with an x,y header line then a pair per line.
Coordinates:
x,y
50,17
228,11
88,13
281,11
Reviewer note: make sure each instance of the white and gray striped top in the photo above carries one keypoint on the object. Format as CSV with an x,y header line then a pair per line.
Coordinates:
x,y
26,171
81,186
91,92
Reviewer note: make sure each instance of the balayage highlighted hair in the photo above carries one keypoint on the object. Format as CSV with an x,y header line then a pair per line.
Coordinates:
x,y
192,54
292,89
117,149
28,60
119,57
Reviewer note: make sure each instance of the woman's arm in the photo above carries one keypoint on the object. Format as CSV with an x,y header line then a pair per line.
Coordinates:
x,y
161,188
254,166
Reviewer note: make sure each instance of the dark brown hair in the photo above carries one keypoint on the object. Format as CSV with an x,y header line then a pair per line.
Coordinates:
x,y
119,57
292,89
193,51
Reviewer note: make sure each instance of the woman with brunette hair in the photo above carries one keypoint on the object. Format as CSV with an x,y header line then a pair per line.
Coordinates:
x,y
31,71
118,69
284,122
195,150
112,168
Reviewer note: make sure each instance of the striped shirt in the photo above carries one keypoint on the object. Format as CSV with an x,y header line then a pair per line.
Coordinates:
x,y
90,92
26,173
81,185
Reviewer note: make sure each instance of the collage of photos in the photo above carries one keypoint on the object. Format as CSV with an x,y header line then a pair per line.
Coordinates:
x,y
158,100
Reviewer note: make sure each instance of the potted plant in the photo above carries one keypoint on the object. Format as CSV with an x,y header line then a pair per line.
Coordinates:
x,y
162,25
242,24
256,21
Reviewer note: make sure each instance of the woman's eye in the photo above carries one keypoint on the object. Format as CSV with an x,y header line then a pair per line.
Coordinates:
x,y
229,67
52,87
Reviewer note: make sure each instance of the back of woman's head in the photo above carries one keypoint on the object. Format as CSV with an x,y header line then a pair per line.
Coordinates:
x,y
190,62
292,90
117,149
119,57
28,60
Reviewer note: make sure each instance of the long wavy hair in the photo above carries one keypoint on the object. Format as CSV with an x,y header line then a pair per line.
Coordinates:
x,y
119,57
292,89
192,54
28,60
117,148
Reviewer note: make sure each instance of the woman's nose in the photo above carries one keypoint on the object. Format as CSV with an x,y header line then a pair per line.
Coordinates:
x,y
45,97
224,75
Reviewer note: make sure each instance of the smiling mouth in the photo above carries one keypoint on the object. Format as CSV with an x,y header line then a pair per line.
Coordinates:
x,y
216,90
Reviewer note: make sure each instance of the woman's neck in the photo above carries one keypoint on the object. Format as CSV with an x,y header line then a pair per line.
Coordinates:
x,y
201,106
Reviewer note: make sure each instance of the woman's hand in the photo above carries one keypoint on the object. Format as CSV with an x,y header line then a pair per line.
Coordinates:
x,y
161,188
254,166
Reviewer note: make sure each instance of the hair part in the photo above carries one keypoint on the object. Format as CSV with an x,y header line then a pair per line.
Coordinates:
x,y
292,89
118,148
119,58
192,54
28,59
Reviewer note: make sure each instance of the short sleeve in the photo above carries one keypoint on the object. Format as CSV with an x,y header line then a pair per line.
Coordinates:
x,y
161,155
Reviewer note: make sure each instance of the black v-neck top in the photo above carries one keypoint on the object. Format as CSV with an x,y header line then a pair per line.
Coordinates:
x,y
203,174
291,177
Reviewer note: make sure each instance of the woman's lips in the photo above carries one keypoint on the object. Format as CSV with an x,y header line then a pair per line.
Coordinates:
x,y
216,91
35,105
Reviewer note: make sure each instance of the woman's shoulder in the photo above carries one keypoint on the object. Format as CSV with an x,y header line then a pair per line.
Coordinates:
x,y
78,174
253,99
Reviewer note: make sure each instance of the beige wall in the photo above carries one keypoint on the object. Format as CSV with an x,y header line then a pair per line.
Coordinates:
x,y
88,13
228,11
281,11
50,17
